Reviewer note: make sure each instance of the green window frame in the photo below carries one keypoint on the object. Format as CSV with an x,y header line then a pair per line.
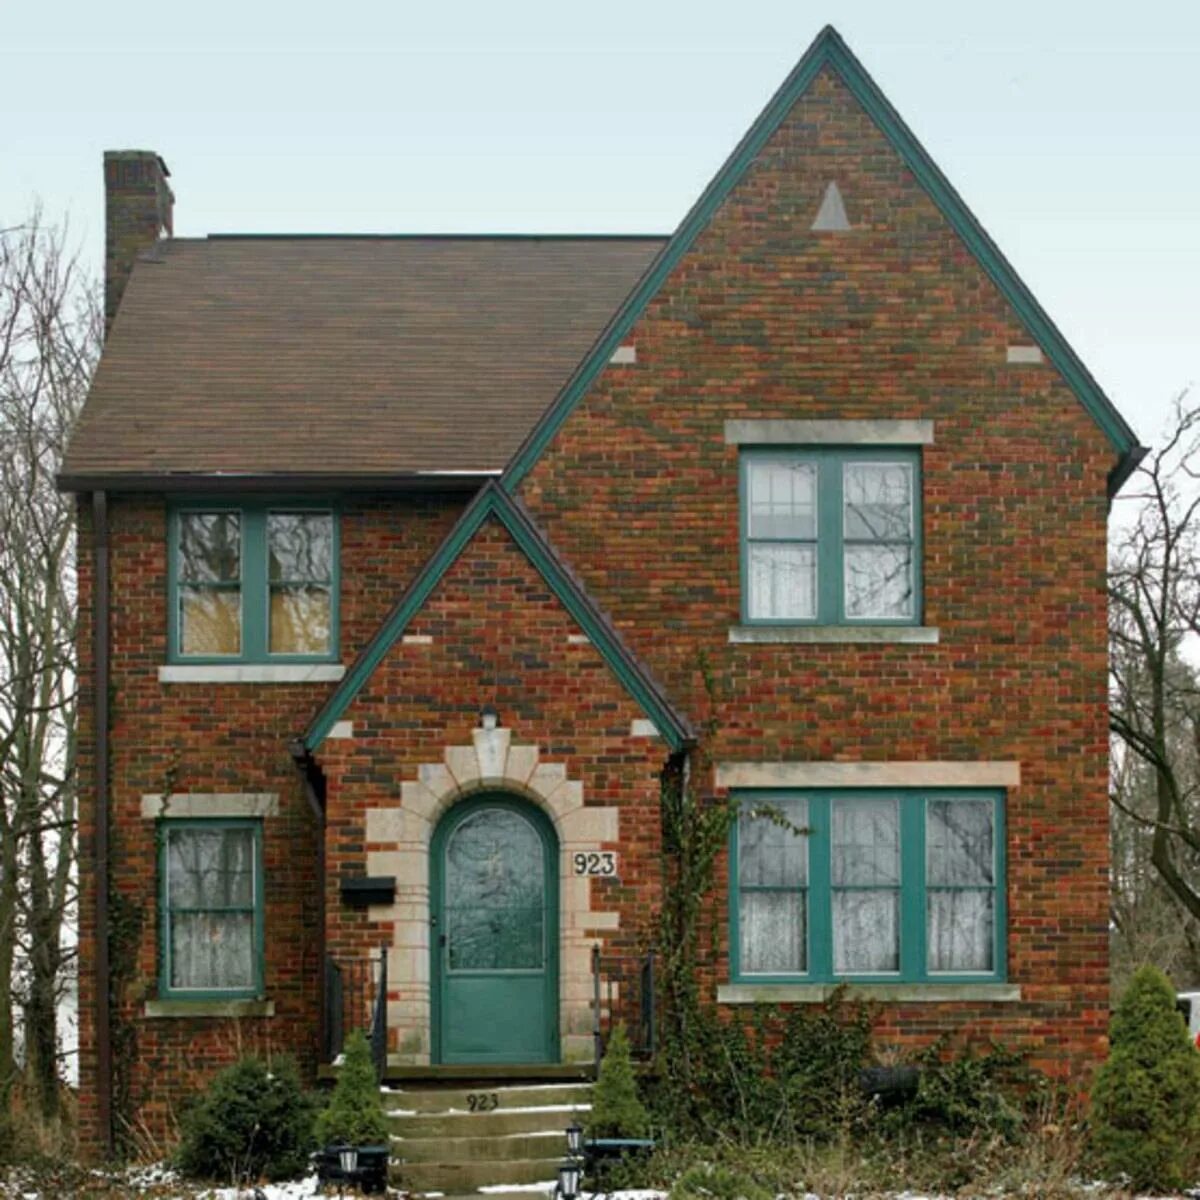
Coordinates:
x,y
171,906
929,878
799,516
253,584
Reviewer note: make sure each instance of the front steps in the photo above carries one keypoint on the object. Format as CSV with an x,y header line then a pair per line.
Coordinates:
x,y
448,1137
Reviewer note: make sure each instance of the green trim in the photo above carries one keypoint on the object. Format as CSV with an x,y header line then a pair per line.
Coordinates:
x,y
438,974
254,585
830,542
828,50
913,890
492,502
165,990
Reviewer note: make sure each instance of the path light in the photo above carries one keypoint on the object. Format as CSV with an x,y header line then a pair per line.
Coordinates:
x,y
568,1180
574,1139
348,1159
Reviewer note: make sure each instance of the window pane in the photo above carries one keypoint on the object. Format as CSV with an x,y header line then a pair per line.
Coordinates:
x,y
210,547
212,950
300,620
960,931
783,499
866,932
210,620
210,868
866,842
769,854
783,582
958,843
773,933
300,546
877,501
879,581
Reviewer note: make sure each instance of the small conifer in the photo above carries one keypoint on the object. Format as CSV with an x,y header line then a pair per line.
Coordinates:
x,y
354,1115
617,1110
1146,1101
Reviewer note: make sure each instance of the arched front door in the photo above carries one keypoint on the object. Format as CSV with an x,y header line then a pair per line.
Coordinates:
x,y
494,902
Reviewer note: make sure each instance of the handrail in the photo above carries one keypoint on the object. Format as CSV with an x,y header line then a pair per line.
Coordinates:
x,y
355,995
623,988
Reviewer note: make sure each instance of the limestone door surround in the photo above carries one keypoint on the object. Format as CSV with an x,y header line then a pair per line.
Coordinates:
x,y
399,836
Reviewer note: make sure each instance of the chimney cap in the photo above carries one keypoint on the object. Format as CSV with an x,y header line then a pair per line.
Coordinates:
x,y
133,155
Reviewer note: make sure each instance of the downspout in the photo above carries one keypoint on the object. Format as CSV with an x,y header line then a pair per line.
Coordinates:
x,y
100,698
313,780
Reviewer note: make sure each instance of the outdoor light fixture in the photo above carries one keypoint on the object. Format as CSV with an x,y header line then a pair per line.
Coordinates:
x,y
489,718
348,1159
574,1139
568,1180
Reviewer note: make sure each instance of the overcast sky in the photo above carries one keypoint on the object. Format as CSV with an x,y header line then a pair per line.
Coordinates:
x,y
1071,128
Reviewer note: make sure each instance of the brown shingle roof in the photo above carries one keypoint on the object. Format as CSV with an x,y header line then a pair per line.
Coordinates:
x,y
360,356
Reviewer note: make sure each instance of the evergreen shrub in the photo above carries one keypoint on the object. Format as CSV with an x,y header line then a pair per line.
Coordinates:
x,y
252,1122
1145,1112
617,1110
354,1115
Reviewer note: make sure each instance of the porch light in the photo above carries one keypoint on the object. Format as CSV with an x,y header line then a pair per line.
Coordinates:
x,y
574,1139
348,1160
489,718
568,1180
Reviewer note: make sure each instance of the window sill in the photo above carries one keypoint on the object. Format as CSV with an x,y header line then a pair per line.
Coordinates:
x,y
209,1008
818,993
251,673
876,635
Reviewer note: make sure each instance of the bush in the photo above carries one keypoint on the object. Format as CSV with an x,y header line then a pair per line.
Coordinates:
x,y
253,1121
716,1181
354,1115
1145,1118
617,1110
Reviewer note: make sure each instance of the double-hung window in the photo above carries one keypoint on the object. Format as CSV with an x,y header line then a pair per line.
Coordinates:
x,y
831,536
211,918
253,583
879,884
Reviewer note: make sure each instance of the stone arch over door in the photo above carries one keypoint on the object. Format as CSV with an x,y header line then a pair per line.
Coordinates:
x,y
399,838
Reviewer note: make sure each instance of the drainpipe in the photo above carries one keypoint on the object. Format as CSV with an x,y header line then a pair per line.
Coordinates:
x,y
100,658
313,779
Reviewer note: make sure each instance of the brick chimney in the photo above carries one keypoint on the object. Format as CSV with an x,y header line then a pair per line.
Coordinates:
x,y
138,206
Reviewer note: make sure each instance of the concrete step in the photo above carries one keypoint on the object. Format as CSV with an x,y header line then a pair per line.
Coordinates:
x,y
468,1149
446,1099
462,1177
404,1073
497,1123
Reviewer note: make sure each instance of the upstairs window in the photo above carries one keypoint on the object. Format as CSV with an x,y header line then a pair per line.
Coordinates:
x,y
831,537
253,583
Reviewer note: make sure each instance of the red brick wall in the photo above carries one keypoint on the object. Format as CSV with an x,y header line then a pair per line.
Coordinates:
x,y
893,319
214,738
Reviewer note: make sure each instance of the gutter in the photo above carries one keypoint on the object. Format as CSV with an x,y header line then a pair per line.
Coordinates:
x,y
222,482
313,780
100,698
1126,465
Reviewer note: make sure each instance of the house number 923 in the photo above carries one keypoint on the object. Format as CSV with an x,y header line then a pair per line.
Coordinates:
x,y
595,862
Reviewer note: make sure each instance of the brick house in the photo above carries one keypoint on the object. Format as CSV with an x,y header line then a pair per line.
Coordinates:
x,y
399,558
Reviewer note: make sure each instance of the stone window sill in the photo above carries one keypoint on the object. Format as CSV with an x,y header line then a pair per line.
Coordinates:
x,y
251,673
876,635
818,993
209,1008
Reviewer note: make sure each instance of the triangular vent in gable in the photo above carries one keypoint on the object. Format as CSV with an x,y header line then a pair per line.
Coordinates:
x,y
831,216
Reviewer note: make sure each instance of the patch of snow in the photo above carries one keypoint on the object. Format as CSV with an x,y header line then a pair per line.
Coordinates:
x,y
550,1184
296,1190
525,1108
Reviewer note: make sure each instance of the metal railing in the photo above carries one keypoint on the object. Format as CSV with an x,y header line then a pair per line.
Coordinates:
x,y
623,989
356,998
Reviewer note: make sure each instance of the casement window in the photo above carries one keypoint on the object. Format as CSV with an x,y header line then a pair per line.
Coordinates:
x,y
900,885
253,583
211,914
831,536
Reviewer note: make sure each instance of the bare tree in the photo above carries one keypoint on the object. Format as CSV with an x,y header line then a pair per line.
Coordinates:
x,y
1154,634
49,343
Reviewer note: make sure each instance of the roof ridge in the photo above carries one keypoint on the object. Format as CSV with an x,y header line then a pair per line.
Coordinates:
x,y
492,500
429,237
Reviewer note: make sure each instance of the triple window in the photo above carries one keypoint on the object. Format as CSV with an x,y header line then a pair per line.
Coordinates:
x,y
253,583
901,885
831,537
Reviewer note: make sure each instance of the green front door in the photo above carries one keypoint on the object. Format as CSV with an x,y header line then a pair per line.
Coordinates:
x,y
494,900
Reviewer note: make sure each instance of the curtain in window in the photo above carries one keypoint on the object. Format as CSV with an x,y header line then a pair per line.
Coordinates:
x,y
866,886
960,879
210,899
773,888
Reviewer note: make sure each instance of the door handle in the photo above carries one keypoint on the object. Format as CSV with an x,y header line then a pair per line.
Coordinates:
x,y
441,939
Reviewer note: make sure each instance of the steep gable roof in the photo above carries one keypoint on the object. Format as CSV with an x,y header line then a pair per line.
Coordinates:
x,y
491,501
830,51
353,356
